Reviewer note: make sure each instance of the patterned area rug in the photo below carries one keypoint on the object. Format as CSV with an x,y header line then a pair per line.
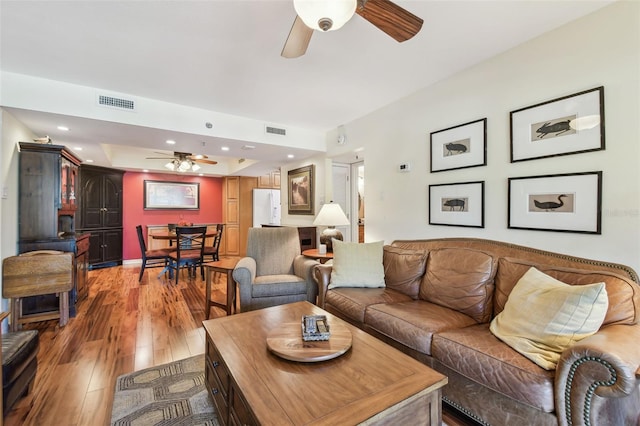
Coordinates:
x,y
168,394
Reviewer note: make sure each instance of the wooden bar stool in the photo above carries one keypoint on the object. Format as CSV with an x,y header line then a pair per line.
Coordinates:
x,y
33,274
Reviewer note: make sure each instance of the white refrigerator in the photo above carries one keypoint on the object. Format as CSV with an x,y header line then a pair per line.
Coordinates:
x,y
266,207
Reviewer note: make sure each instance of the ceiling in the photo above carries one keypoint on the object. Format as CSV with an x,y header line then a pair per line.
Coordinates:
x,y
224,56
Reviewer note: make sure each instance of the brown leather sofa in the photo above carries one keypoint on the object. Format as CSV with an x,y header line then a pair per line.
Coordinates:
x,y
597,380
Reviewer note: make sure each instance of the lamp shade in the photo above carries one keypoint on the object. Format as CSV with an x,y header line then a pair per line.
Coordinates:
x,y
325,15
331,215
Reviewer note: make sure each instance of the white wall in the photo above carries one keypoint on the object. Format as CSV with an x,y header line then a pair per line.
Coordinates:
x,y
12,132
322,173
602,49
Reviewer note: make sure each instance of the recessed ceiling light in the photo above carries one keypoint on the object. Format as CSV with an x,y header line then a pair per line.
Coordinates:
x,y
171,142
145,170
200,174
290,156
88,161
248,147
77,148
63,128
225,148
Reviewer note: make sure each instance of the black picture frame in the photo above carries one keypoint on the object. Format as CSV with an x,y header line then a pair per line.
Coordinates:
x,y
459,147
570,202
457,204
567,125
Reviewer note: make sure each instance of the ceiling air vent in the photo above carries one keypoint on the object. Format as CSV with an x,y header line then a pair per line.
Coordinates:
x,y
275,131
117,103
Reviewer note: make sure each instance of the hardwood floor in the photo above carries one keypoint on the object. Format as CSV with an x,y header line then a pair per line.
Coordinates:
x,y
121,327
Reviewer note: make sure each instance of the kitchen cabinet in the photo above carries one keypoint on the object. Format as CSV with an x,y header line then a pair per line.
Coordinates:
x,y
270,181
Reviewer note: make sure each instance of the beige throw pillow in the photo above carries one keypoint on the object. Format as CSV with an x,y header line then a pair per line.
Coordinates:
x,y
357,265
543,316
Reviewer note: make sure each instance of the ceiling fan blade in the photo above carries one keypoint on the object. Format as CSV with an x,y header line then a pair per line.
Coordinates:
x,y
397,22
298,40
205,161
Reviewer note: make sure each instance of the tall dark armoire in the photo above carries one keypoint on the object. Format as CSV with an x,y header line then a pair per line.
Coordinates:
x,y
100,214
48,201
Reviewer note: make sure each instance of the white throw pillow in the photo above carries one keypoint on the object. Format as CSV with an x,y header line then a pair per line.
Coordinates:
x,y
543,316
357,264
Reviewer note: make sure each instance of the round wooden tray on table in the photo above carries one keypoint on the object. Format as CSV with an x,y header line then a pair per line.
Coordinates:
x,y
286,342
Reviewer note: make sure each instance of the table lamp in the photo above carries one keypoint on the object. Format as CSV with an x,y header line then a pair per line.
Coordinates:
x,y
331,215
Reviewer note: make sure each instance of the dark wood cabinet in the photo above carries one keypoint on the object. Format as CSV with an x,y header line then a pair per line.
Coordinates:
x,y
43,169
101,205
105,247
48,179
100,214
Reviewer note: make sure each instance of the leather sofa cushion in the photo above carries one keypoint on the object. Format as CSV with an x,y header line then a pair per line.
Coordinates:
x,y
413,323
18,349
461,279
352,302
624,298
480,356
403,269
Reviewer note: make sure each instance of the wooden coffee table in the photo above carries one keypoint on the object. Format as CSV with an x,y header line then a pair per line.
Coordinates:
x,y
372,383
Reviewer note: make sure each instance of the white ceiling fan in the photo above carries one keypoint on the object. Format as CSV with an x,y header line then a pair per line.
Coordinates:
x,y
329,15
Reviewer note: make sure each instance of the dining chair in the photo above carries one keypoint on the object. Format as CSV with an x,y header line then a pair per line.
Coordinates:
x,y
212,252
150,258
190,242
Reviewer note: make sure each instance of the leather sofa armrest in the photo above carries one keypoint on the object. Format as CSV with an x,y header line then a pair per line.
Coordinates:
x,y
605,364
322,276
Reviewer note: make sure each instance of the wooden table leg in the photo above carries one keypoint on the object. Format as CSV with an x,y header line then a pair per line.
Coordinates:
x,y
231,292
207,305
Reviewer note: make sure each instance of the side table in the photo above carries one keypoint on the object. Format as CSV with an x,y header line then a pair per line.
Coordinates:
x,y
313,254
225,266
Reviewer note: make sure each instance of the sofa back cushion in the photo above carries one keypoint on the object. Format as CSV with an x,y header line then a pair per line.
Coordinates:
x,y
403,269
623,293
460,279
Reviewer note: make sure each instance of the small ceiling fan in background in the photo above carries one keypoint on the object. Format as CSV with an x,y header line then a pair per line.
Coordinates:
x,y
329,15
184,161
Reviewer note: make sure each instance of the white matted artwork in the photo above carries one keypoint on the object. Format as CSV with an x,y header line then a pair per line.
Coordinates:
x,y
459,147
563,203
563,126
457,204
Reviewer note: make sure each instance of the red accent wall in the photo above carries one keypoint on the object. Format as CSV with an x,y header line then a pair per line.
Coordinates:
x,y
134,213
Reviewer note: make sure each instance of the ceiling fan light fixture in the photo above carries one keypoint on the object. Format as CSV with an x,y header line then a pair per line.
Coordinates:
x,y
195,167
325,15
184,166
170,166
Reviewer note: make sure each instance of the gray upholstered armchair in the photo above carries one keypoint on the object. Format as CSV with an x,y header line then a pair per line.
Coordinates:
x,y
274,272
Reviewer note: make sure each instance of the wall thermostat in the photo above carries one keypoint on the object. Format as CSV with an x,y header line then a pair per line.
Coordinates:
x,y
342,139
404,167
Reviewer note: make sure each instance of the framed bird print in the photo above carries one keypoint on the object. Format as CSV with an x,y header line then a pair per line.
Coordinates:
x,y
563,203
